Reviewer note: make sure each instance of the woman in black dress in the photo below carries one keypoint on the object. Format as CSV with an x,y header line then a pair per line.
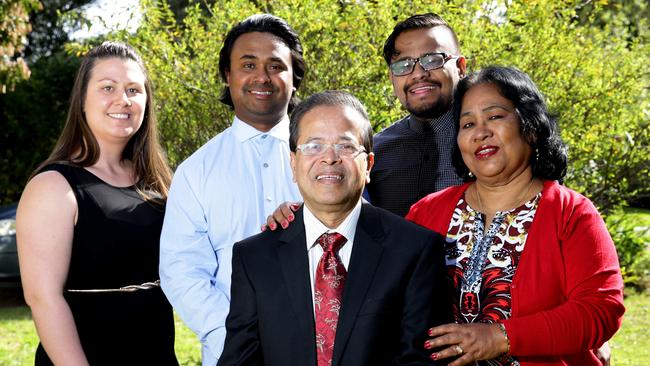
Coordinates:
x,y
89,221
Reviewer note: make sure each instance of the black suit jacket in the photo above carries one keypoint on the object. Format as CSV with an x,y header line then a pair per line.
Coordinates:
x,y
395,291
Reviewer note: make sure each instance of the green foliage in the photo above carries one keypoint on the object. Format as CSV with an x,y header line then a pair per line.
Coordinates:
x,y
14,27
591,79
33,117
633,246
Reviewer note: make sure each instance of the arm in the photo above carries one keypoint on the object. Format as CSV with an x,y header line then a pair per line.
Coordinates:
x,y
593,308
44,230
189,264
426,302
242,340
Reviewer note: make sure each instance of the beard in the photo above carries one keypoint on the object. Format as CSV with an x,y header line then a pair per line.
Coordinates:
x,y
429,110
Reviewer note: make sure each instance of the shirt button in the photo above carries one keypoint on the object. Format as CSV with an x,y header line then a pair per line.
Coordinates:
x,y
268,199
266,165
264,136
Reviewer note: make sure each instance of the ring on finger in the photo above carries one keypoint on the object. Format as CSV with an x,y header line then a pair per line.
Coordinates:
x,y
459,350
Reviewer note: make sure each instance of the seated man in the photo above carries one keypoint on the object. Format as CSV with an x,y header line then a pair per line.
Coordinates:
x,y
346,283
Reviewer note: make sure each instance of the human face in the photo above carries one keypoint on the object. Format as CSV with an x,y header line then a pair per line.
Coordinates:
x,y
115,99
330,183
427,94
260,79
489,137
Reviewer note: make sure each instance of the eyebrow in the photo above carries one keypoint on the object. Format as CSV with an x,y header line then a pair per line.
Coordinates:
x,y
487,109
253,57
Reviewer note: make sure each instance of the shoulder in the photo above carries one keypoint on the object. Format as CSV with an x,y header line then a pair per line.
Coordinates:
x,y
448,195
48,191
258,243
391,223
202,161
563,198
395,130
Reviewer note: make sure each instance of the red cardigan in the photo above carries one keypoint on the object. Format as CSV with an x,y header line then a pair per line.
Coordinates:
x,y
567,292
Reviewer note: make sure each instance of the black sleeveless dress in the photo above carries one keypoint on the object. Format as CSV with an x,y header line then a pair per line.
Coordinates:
x,y
116,244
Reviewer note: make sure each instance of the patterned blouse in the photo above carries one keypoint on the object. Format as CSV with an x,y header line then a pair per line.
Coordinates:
x,y
482,263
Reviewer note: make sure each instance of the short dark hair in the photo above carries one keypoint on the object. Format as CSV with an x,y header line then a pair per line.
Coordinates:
x,y
329,98
537,126
265,23
418,21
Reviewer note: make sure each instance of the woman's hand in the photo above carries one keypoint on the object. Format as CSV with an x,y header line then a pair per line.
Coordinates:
x,y
468,342
282,215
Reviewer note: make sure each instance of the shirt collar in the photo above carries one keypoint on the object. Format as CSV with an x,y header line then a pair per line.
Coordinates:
x,y
243,131
314,228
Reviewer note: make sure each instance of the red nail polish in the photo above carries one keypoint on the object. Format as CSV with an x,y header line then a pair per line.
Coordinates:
x,y
290,217
430,332
434,356
427,345
272,226
263,227
284,224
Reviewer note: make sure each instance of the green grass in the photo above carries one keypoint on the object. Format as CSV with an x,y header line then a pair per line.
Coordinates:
x,y
19,340
630,346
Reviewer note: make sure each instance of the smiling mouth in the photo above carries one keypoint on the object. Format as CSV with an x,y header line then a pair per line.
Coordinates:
x,y
119,115
485,151
422,89
329,177
261,92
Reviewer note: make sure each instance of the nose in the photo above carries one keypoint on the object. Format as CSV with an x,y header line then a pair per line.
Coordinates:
x,y
330,156
262,76
418,71
482,132
123,98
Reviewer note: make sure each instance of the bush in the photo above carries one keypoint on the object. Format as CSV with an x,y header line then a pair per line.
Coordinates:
x,y
633,247
589,77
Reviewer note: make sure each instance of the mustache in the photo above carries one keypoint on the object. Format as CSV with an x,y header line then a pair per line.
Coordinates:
x,y
260,86
428,81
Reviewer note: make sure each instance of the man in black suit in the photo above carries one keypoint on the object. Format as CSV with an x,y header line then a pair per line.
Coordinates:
x,y
346,283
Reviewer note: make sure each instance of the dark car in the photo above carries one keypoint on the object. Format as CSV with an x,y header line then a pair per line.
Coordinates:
x,y
9,273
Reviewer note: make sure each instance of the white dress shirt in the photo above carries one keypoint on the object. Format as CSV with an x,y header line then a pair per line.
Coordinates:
x,y
219,195
314,229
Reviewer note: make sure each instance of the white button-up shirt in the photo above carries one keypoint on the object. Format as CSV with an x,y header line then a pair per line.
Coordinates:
x,y
219,195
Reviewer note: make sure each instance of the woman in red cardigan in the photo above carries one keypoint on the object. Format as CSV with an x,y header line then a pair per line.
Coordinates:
x,y
535,273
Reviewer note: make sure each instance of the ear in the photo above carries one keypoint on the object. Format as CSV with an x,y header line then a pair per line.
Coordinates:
x,y
228,77
371,163
292,161
461,64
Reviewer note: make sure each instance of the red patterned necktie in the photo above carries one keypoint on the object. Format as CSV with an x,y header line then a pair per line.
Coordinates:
x,y
328,295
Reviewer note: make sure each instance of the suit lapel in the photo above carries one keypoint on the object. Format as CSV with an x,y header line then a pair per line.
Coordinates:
x,y
364,260
292,254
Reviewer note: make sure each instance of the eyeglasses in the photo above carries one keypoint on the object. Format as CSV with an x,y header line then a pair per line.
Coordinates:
x,y
430,61
346,149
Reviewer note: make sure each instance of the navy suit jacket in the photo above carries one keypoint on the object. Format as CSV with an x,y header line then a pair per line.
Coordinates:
x,y
395,290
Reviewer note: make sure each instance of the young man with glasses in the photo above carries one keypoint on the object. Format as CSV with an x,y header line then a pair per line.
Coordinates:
x,y
413,156
346,283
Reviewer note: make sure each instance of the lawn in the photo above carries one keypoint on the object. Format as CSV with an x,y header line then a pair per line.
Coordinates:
x,y
630,346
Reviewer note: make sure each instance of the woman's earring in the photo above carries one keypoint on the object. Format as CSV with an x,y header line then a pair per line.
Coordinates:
x,y
470,174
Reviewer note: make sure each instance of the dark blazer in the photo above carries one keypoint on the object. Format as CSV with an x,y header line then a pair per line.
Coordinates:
x,y
395,290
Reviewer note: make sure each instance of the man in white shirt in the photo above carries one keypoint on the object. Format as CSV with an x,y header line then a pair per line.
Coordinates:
x,y
223,192
346,283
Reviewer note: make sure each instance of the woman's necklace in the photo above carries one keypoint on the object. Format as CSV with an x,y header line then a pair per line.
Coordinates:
x,y
517,203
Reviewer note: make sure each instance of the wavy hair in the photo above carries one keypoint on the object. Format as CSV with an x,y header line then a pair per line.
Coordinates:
x,y
78,146
537,126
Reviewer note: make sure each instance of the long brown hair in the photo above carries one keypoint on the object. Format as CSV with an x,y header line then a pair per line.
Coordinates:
x,y
77,144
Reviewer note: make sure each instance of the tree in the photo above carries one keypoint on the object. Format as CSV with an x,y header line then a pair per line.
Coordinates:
x,y
14,27
591,79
